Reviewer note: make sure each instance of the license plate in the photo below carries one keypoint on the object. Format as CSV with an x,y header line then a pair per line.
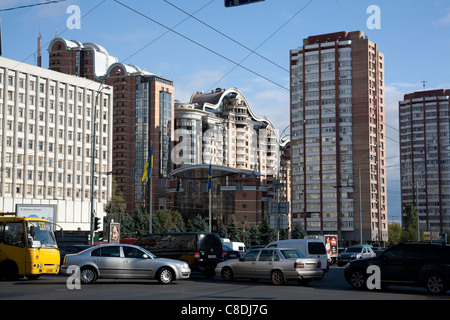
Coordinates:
x,y
212,256
232,255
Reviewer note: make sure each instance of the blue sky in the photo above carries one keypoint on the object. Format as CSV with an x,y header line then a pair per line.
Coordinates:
x,y
413,35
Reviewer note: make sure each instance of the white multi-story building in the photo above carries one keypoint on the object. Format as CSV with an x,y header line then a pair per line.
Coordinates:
x,y
425,157
47,128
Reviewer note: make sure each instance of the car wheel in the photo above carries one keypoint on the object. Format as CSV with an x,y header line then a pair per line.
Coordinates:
x,y
277,277
227,274
435,283
88,275
165,276
357,279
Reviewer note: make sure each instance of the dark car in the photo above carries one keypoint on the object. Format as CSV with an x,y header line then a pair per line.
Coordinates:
x,y
70,249
201,250
414,264
229,253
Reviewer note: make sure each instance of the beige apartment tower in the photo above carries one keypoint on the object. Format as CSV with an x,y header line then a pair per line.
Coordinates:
x,y
424,120
338,138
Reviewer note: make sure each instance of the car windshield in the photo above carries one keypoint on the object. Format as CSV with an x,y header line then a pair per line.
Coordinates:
x,y
353,249
290,253
151,255
43,234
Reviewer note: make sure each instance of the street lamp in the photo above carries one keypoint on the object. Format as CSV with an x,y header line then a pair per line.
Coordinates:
x,y
94,138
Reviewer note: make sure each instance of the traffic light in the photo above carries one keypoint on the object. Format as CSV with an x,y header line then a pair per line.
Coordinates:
x,y
96,223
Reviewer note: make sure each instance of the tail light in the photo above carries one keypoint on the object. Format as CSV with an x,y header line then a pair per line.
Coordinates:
x,y
319,265
299,265
197,255
224,254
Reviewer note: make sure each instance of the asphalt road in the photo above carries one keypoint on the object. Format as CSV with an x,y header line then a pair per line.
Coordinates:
x,y
198,288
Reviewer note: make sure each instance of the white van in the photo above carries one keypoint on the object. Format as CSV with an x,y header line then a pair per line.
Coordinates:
x,y
311,248
236,246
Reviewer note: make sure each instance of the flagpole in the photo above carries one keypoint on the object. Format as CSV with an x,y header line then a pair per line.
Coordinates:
x,y
150,210
151,202
209,210
209,191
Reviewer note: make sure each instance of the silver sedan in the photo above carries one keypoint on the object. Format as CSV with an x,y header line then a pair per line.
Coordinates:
x,y
123,261
278,265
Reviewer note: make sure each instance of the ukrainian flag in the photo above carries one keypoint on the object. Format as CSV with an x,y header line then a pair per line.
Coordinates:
x,y
148,165
210,176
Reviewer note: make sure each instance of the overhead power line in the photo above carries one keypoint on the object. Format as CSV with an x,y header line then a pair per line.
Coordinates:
x,y
167,31
228,37
201,45
33,5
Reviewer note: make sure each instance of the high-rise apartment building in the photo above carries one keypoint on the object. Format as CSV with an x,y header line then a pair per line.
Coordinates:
x,y
338,137
142,116
221,129
47,129
425,157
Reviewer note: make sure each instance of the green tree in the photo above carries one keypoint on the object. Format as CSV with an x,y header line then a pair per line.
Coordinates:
x,y
117,204
233,231
298,232
395,233
127,228
266,234
198,224
141,221
167,221
253,238
222,230
410,224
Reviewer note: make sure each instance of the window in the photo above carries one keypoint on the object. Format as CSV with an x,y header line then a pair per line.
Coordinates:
x,y
130,252
266,255
251,256
112,251
13,234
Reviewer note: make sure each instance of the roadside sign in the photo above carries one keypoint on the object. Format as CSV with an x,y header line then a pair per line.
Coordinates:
x,y
234,3
283,207
283,222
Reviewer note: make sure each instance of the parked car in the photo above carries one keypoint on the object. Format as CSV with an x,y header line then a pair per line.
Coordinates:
x,y
229,253
415,264
310,247
123,261
276,264
353,253
69,249
201,250
379,250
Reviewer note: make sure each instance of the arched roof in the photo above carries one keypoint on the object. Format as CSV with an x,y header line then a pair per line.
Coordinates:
x,y
201,171
214,100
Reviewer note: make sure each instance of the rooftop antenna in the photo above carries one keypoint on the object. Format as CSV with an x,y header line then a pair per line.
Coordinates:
x,y
423,84
39,50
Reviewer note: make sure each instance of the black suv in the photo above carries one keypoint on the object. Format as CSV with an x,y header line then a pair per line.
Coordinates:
x,y
415,264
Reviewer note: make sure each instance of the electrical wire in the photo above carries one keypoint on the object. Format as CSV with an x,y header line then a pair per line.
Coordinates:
x,y
228,37
32,5
167,31
201,45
